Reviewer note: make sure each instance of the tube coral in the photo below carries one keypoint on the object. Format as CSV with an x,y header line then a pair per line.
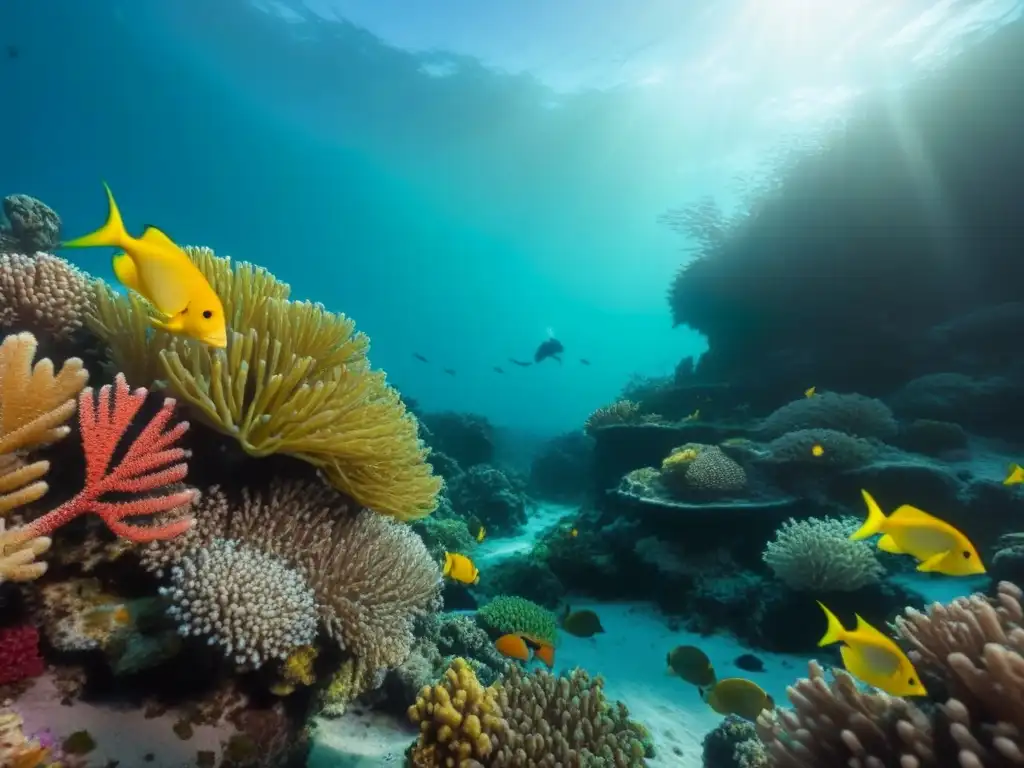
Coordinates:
x,y
294,379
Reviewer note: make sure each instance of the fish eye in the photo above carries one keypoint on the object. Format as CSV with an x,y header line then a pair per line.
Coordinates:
x,y
207,314
911,681
967,555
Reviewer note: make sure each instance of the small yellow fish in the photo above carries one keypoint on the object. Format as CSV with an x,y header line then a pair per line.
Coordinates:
x,y
738,696
817,450
460,568
574,533
936,545
810,391
872,657
481,534
1016,476
693,416
691,664
157,269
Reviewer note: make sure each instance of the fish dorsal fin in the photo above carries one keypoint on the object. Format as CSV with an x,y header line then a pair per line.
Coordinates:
x,y
912,516
869,632
888,544
156,236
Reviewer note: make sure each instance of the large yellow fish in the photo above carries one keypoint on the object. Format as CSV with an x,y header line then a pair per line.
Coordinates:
x,y
936,545
460,568
872,657
161,272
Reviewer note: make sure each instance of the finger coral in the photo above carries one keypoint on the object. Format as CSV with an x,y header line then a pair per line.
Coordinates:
x,y
370,575
460,721
975,645
44,294
816,555
294,379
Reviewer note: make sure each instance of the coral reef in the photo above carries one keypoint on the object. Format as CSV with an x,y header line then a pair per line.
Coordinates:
x,y
294,379
734,744
467,438
817,555
851,414
560,471
509,614
490,495
703,469
619,412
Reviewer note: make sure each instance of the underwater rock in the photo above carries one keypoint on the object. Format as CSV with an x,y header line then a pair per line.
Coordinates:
x,y
523,575
983,342
851,414
932,437
468,438
917,480
31,224
560,471
983,405
490,495
444,465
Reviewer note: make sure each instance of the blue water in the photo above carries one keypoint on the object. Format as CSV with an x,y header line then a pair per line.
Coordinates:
x,y
459,181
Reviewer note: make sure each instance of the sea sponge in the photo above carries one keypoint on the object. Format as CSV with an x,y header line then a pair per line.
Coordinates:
x,y
566,720
251,604
371,576
460,721
816,555
44,294
294,379
850,413
839,449
509,614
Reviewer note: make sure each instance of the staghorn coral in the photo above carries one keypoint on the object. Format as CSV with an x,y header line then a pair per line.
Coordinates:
x,y
816,555
44,294
249,603
566,720
852,414
460,721
294,379
839,449
370,575
973,644
621,412
507,614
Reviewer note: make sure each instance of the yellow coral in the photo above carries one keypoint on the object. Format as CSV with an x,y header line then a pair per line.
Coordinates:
x,y
296,670
294,379
35,403
460,721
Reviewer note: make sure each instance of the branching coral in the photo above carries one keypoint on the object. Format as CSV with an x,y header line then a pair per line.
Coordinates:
x,y
370,575
620,412
460,721
975,645
816,555
507,614
850,413
294,379
566,721
44,294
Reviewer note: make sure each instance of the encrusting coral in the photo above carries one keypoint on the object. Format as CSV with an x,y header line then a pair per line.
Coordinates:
x,y
816,555
34,404
370,575
974,644
294,379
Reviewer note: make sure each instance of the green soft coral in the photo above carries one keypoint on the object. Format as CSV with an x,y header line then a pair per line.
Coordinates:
x,y
508,614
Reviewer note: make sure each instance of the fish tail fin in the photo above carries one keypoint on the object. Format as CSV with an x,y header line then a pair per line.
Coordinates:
x,y
876,519
835,631
112,232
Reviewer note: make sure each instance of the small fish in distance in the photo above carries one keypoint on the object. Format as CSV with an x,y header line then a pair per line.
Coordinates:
x,y
420,357
450,371
520,363
551,348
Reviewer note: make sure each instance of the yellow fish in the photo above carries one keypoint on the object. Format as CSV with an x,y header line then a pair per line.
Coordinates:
x,y
809,392
1016,476
936,545
574,533
481,534
460,568
162,273
691,664
872,657
817,450
738,696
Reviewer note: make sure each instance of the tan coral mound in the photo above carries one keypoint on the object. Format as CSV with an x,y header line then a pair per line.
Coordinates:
x,y
44,294
294,379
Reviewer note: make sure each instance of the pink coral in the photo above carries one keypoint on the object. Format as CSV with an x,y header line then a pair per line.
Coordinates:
x,y
19,654
151,463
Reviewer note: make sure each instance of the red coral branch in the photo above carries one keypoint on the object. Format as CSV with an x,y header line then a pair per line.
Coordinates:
x,y
19,654
150,464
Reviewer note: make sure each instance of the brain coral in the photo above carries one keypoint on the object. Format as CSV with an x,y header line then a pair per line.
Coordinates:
x,y
853,414
838,448
702,468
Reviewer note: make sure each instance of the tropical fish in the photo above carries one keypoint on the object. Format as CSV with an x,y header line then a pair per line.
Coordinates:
x,y
513,646
810,391
162,273
693,416
460,568
481,534
450,371
420,357
573,533
520,363
817,450
584,361
498,369
1016,475
936,545
542,649
873,657
738,696
691,664
79,743
551,348
476,528
583,623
